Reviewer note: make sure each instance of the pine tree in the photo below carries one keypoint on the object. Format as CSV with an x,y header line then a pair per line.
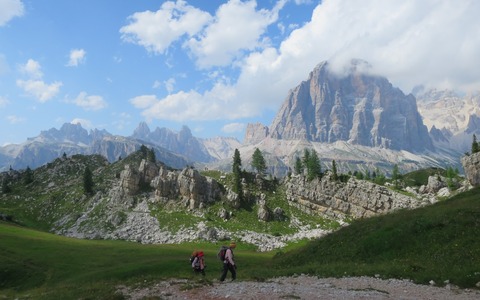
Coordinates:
x,y
395,175
237,174
475,145
314,170
258,161
88,181
28,176
334,171
144,151
151,155
298,168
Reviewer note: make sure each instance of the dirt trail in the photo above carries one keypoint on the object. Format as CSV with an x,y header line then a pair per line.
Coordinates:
x,y
301,287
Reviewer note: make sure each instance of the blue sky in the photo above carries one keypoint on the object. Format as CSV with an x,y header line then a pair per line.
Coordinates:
x,y
212,65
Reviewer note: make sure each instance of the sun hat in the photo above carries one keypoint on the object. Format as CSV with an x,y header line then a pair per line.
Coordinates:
x,y
200,253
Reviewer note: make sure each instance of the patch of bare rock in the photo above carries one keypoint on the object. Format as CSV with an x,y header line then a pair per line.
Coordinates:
x,y
299,287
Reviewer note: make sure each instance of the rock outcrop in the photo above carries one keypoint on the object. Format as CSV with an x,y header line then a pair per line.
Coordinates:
x,y
471,166
355,198
357,107
188,187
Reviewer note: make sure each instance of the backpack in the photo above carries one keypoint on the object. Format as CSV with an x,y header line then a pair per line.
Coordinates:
x,y
222,252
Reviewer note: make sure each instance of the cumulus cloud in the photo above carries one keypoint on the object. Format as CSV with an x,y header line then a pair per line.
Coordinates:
x,y
76,57
10,9
157,30
237,26
144,101
39,89
233,128
35,86
32,69
90,102
431,42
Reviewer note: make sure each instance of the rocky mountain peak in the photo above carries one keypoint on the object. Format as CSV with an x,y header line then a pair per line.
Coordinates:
x,y
255,133
141,131
352,106
74,133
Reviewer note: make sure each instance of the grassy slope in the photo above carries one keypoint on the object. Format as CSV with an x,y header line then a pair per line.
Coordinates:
x,y
437,243
47,266
440,242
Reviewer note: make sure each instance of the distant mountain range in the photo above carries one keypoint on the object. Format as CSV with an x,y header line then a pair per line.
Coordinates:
x,y
357,119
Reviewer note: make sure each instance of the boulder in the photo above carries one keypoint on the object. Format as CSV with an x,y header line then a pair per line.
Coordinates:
x,y
471,166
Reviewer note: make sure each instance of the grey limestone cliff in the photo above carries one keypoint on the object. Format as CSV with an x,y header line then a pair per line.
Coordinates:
x,y
359,108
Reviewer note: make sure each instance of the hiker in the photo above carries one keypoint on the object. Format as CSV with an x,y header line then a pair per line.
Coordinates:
x,y
198,263
229,263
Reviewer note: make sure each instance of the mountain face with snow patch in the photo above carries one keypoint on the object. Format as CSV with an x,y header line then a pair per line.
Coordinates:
x,y
356,107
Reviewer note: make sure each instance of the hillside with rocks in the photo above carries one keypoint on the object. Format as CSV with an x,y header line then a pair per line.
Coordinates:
x,y
137,199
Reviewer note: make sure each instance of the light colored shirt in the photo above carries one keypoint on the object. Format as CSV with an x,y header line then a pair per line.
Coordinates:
x,y
229,257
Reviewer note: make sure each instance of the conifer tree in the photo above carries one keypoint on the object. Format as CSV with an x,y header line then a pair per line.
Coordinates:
x,y
237,176
475,145
144,151
151,155
298,168
88,181
395,175
314,170
334,171
28,176
258,161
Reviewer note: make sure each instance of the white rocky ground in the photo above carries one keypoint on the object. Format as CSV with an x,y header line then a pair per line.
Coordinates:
x,y
299,287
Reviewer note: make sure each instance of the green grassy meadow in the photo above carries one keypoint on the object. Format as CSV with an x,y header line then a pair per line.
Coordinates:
x,y
439,242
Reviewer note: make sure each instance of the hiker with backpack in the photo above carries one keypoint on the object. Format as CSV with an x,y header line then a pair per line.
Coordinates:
x,y
198,262
226,254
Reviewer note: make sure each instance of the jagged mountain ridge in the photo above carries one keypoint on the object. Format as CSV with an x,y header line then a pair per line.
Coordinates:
x,y
174,149
74,139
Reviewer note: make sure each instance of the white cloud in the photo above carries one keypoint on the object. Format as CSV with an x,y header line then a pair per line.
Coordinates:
x,y
170,85
4,101
35,86
12,119
218,103
90,102
157,30
238,26
32,69
77,56
87,124
233,127
144,101
39,89
10,9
